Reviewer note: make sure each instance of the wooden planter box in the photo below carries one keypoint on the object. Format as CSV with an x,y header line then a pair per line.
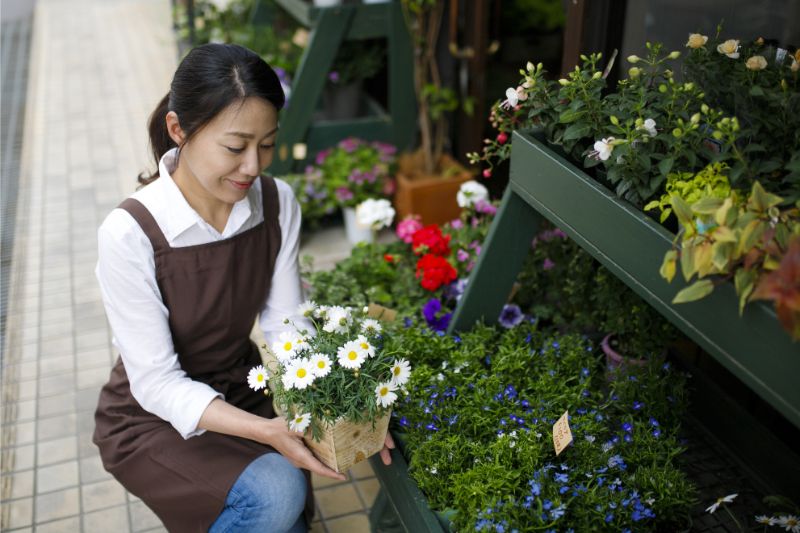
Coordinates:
x,y
344,444
753,347
432,197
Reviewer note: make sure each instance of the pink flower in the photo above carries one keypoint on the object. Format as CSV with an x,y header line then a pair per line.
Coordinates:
x,y
462,255
456,223
482,206
408,227
344,194
321,156
548,264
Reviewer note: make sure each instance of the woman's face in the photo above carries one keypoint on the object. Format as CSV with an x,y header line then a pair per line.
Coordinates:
x,y
222,160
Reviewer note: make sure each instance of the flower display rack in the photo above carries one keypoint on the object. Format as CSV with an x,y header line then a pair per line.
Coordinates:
x,y
329,28
753,347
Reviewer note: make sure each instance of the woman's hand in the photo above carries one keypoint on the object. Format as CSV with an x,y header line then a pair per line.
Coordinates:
x,y
290,444
386,454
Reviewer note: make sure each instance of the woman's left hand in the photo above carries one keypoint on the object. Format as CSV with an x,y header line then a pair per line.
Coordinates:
x,y
386,455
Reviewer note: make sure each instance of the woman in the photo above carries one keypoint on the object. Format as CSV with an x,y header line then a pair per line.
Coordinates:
x,y
185,266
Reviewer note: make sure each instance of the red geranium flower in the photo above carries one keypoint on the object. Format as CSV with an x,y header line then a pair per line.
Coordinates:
x,y
436,271
389,258
430,240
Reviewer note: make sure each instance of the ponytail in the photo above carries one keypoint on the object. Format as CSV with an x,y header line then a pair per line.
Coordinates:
x,y
160,141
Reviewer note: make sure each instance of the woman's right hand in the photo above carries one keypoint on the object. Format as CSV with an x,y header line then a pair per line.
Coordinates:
x,y
290,445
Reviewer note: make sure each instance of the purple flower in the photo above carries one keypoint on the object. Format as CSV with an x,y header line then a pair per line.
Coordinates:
x,y
321,156
462,255
430,310
344,194
349,144
548,264
456,223
456,289
627,426
482,206
510,316
333,76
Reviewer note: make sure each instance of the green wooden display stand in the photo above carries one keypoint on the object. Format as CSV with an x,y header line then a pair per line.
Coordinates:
x,y
329,27
753,347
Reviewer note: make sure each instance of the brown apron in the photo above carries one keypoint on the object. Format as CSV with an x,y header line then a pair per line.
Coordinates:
x,y
213,293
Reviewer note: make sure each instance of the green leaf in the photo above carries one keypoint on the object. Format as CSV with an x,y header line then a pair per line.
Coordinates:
x,y
576,131
695,291
707,206
667,269
570,115
666,165
652,205
682,210
755,90
687,262
721,255
744,281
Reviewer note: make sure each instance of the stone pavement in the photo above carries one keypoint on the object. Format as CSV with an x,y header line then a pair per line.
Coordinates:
x,y
98,67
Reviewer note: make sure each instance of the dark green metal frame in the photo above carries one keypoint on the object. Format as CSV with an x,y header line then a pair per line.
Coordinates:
x,y
329,27
753,347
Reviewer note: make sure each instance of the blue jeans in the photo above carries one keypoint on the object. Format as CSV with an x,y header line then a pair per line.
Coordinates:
x,y
269,496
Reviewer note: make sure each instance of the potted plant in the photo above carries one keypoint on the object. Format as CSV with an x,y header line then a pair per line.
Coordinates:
x,y
356,61
335,382
353,171
428,179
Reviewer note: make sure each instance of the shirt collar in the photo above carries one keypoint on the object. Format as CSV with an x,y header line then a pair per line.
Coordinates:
x,y
181,216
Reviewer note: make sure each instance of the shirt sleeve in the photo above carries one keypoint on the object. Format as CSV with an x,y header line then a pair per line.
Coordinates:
x,y
126,274
286,292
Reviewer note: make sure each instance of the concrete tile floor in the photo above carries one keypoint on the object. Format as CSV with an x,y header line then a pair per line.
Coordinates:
x,y
98,67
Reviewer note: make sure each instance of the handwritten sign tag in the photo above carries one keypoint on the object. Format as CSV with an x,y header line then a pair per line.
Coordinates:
x,y
562,436
380,312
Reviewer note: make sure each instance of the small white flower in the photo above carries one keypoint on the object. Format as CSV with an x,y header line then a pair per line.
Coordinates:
x,y
603,148
766,520
351,355
375,214
307,308
300,422
338,319
730,48
650,501
433,471
321,312
257,377
370,326
607,447
440,377
725,499
299,374
650,127
512,98
590,438
287,346
365,346
401,371
321,364
385,395
470,193
790,522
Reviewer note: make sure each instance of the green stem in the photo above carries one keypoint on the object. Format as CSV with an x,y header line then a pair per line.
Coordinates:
x,y
733,517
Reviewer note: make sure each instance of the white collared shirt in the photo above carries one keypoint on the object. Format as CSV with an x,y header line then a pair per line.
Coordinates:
x,y
133,302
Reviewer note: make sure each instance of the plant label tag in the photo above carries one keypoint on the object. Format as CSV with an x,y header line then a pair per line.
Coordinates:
x,y
562,436
380,312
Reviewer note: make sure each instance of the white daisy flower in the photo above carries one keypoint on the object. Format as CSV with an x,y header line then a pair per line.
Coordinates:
x,y
321,364
299,374
286,347
385,395
321,312
338,319
351,355
401,371
790,522
725,499
766,520
257,377
307,308
366,346
300,422
370,326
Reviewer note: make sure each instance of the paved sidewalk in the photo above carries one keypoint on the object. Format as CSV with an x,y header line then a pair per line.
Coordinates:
x,y
98,67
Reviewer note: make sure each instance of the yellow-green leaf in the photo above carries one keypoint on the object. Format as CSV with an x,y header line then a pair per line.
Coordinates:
x,y
682,210
652,205
687,262
702,259
668,267
707,206
770,263
695,291
744,281
750,235
724,234
665,214
721,216
721,255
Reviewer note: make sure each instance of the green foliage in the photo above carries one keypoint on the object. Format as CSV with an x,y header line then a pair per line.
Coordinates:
x,y
315,201
478,422
355,170
710,182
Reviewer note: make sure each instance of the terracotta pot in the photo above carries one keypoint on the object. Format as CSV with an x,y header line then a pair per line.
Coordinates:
x,y
615,360
431,196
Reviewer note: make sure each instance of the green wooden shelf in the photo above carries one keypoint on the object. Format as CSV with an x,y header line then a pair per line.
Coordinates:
x,y
543,184
329,28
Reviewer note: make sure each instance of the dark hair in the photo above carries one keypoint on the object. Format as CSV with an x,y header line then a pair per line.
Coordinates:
x,y
210,78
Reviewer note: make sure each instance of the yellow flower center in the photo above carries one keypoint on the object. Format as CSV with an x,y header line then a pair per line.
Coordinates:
x,y
397,371
320,364
298,419
301,372
287,346
260,377
364,346
352,355
384,391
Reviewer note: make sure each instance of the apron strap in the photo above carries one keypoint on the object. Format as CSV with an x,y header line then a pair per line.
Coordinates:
x,y
269,201
145,219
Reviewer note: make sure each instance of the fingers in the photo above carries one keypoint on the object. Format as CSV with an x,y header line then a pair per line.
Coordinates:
x,y
389,441
386,456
